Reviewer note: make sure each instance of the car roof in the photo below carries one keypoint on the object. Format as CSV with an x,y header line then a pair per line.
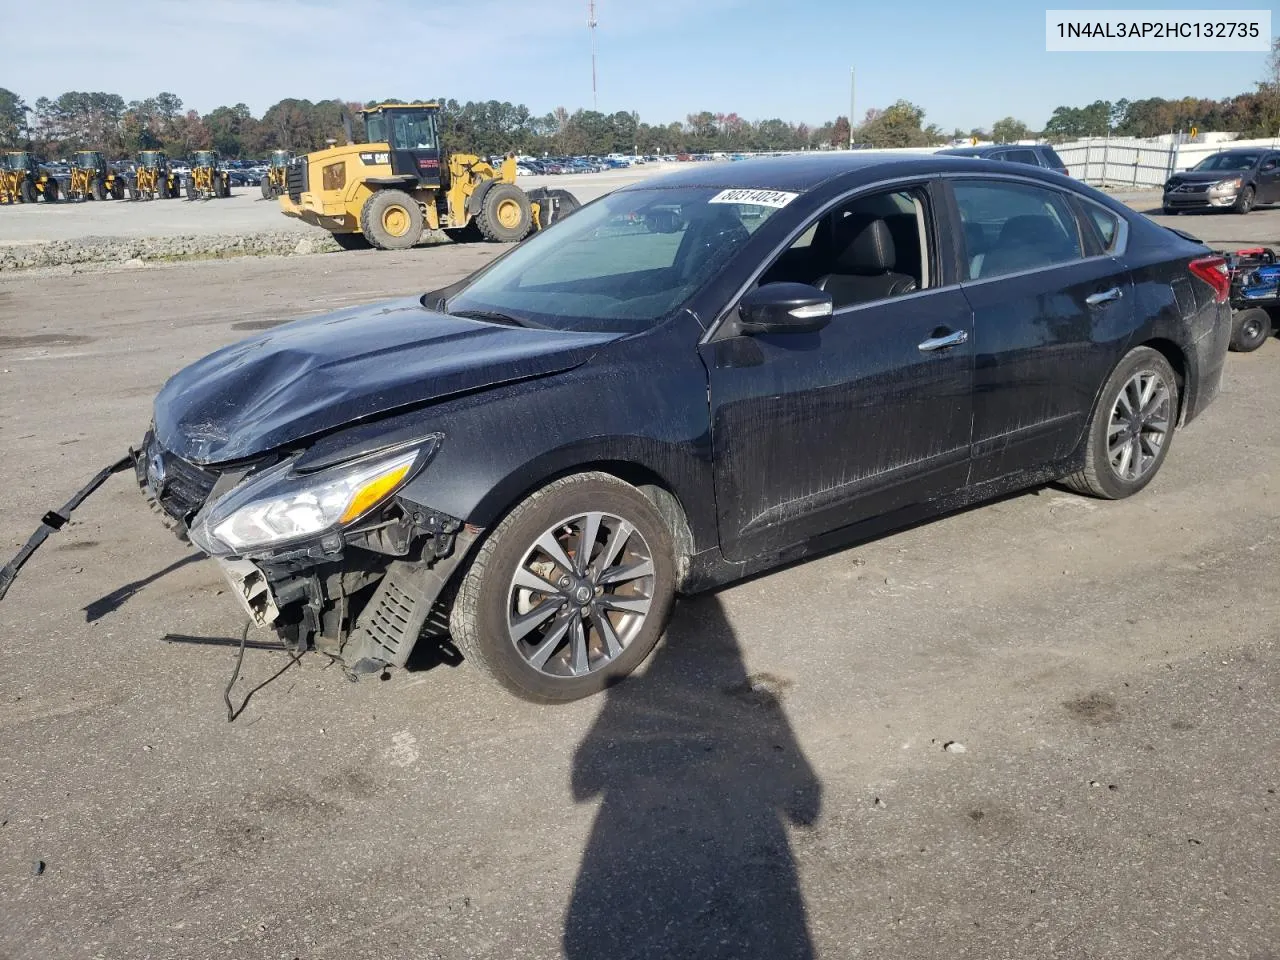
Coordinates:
x,y
803,172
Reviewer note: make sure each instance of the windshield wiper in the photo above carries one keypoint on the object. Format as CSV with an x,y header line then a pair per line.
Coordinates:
x,y
494,316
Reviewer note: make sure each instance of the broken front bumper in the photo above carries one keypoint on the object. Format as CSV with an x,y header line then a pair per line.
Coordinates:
x,y
364,596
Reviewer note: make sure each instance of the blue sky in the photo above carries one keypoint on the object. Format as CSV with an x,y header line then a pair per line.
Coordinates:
x,y
967,64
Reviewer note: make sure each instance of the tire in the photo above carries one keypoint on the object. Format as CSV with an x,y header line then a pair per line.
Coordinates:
x,y
191,190
488,599
352,241
391,220
1244,202
1170,212
267,192
1100,476
51,191
505,214
162,188
118,190
1250,329
29,192
97,190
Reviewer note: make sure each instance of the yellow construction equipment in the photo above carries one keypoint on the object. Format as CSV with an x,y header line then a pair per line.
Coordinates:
x,y
385,192
23,180
93,179
273,180
154,178
207,180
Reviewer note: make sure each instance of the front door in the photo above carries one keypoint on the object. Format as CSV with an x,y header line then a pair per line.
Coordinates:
x,y
868,416
1269,179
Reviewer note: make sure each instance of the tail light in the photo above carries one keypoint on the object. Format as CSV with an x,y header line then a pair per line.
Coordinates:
x,y
1213,271
1066,172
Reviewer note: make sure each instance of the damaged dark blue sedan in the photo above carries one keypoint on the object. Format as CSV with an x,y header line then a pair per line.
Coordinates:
x,y
693,379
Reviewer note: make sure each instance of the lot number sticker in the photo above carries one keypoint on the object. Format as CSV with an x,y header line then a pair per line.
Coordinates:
x,y
762,198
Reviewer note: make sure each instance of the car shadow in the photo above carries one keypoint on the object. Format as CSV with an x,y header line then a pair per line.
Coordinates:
x,y
698,774
117,598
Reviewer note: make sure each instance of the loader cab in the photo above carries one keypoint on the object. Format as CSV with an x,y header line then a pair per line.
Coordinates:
x,y
204,158
410,132
151,159
280,159
89,160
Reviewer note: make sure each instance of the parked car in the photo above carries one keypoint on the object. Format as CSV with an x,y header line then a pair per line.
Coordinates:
x,y
1235,180
1037,155
680,385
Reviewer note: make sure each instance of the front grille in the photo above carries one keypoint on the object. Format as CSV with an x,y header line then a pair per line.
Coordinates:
x,y
179,487
1191,187
296,179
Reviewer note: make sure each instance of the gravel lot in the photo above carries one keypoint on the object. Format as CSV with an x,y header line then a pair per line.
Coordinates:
x,y
773,785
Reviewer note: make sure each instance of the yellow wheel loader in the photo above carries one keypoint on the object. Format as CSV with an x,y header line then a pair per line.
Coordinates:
x,y
386,192
23,180
154,178
207,180
273,182
93,179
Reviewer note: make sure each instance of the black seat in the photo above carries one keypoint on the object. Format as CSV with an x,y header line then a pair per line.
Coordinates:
x,y
865,267
1026,243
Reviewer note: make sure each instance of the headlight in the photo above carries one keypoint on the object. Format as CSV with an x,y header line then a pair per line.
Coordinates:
x,y
278,505
1227,186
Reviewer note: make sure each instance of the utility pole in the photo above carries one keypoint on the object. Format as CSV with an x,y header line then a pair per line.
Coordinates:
x,y
591,24
852,87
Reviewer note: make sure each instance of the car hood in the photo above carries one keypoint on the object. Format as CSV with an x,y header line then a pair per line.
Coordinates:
x,y
312,375
1207,176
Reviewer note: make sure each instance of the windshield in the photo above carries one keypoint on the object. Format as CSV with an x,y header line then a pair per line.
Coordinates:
x,y
204,158
17,161
87,160
413,130
1228,161
623,263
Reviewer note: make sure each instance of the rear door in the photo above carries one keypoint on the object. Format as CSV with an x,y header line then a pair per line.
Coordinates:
x,y
1051,314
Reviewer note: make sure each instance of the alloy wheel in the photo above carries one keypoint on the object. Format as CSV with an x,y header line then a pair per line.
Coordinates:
x,y
580,594
1140,422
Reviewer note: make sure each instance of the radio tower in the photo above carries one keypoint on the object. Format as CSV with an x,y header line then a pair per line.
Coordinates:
x,y
591,24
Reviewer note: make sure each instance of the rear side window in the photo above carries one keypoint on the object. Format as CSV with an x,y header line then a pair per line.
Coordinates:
x,y
1051,158
1106,223
1013,227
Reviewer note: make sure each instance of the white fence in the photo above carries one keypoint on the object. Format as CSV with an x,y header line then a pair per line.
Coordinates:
x,y
1140,164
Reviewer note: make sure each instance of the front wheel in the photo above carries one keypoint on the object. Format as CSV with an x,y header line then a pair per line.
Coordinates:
x,y
1130,428
268,192
28,191
570,592
98,190
505,214
1244,202
1250,329
392,220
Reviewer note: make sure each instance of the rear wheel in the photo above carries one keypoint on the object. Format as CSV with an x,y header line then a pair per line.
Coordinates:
x,y
505,215
392,220
97,190
352,241
1244,202
1130,428
29,192
1250,329
570,592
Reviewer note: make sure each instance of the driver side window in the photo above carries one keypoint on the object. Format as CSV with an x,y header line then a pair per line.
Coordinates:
x,y
871,248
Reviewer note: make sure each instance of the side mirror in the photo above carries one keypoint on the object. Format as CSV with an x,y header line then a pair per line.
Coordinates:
x,y
1269,165
784,308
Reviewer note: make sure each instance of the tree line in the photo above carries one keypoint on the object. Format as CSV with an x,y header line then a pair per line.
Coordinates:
x,y
57,127
77,120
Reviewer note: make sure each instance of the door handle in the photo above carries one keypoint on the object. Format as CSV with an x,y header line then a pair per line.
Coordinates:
x,y
941,343
1106,296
